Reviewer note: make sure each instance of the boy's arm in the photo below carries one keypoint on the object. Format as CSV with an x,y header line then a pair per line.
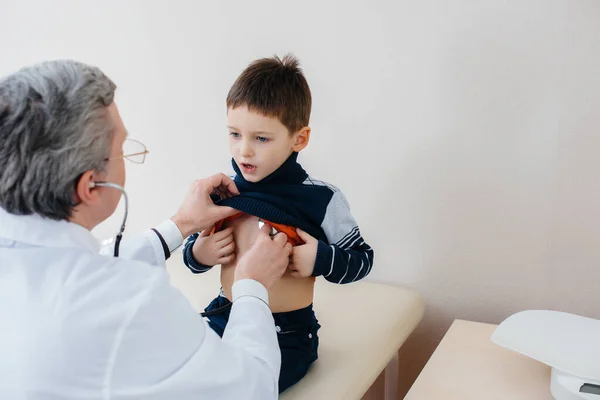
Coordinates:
x,y
188,256
348,258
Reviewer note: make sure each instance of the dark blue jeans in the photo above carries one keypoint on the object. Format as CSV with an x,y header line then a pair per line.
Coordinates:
x,y
296,333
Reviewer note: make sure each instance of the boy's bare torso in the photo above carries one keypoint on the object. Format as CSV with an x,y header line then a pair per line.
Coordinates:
x,y
288,293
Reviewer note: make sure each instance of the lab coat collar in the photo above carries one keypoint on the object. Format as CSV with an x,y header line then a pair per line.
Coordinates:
x,y
45,232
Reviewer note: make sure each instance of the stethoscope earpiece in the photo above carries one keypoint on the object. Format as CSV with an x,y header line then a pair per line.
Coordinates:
x,y
122,190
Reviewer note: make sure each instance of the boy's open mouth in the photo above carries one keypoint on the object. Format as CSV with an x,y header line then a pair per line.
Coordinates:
x,y
248,167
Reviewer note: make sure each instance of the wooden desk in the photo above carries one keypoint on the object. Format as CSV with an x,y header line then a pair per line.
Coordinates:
x,y
468,365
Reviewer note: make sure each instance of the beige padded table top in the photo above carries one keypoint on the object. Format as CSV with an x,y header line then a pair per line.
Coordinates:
x,y
363,326
468,365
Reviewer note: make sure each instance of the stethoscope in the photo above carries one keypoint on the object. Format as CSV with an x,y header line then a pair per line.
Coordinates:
x,y
122,190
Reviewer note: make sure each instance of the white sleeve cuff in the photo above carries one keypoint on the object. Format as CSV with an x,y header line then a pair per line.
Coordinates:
x,y
170,233
249,288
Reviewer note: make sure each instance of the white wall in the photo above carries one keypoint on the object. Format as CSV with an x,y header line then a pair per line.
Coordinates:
x,y
465,134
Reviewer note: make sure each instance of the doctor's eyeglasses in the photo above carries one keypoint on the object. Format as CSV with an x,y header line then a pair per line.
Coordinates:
x,y
133,151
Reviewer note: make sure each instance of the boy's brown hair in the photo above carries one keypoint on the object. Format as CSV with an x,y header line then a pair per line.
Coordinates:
x,y
276,88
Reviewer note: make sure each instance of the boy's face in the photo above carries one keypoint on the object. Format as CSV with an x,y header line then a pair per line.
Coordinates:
x,y
259,144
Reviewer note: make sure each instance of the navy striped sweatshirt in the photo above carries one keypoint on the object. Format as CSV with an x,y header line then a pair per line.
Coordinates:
x,y
290,196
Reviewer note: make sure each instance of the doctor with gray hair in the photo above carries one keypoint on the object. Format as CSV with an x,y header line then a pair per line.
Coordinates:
x,y
78,323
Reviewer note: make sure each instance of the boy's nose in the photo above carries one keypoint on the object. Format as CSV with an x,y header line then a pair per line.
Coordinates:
x,y
246,150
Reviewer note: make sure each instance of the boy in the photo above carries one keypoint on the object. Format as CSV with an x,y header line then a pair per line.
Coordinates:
x,y
268,111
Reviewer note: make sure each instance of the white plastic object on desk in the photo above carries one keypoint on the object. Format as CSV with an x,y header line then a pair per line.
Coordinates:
x,y
568,343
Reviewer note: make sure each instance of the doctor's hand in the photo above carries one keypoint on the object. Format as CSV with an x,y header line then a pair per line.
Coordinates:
x,y
198,212
266,261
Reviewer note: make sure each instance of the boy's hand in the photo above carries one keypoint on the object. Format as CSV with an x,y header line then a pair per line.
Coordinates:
x,y
214,249
302,260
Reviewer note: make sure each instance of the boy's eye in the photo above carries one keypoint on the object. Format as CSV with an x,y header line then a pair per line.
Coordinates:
x,y
262,139
234,134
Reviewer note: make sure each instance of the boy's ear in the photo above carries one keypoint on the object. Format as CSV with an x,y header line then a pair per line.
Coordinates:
x,y
301,139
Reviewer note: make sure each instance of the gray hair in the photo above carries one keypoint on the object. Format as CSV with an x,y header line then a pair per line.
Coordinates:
x,y
54,126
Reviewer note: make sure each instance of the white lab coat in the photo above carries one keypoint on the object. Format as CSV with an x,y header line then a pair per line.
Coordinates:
x,y
75,324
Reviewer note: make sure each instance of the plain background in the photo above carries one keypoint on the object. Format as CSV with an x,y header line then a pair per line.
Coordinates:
x,y
465,134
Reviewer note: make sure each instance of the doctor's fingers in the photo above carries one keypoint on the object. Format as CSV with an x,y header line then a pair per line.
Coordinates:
x,y
281,240
222,184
